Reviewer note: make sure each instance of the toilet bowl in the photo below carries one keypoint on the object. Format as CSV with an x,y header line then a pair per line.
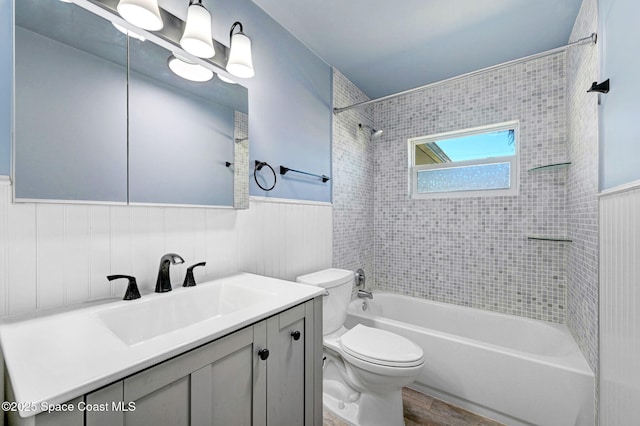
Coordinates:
x,y
365,368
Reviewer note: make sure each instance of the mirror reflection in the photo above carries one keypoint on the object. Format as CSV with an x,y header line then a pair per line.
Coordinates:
x,y
181,132
92,126
70,104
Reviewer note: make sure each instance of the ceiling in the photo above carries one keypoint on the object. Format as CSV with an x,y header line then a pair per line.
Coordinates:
x,y
386,46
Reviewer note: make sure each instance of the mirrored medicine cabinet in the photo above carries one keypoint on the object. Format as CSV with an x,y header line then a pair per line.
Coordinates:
x,y
100,118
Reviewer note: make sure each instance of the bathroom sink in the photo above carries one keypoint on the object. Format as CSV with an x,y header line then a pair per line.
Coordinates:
x,y
160,314
92,345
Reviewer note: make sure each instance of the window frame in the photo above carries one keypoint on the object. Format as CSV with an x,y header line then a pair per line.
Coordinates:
x,y
514,161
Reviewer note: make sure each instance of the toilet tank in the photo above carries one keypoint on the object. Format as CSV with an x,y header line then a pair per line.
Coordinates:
x,y
339,283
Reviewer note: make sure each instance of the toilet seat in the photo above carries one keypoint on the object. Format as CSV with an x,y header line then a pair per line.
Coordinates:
x,y
380,347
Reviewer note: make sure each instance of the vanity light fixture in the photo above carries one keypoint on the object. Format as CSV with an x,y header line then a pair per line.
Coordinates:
x,y
196,38
128,32
189,70
240,63
141,13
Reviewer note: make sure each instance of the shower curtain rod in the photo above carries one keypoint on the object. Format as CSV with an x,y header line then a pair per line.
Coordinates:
x,y
593,38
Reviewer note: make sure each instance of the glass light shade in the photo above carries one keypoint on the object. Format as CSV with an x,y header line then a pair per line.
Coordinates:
x,y
189,70
196,38
240,62
141,13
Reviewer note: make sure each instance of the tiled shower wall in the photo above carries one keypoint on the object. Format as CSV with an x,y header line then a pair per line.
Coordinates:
x,y
352,180
475,251
582,186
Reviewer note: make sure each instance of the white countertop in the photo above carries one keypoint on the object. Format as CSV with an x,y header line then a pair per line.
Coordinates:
x,y
53,358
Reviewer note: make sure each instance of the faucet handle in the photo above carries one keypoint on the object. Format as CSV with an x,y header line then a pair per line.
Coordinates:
x,y
360,278
132,288
189,279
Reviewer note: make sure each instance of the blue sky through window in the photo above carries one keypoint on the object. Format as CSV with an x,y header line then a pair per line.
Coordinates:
x,y
478,146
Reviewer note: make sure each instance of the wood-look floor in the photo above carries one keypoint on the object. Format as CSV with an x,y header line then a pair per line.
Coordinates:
x,y
424,410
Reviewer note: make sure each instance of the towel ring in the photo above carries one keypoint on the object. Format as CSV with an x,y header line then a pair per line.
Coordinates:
x,y
259,166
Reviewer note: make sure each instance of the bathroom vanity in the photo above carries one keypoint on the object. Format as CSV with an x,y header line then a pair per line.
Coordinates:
x,y
246,350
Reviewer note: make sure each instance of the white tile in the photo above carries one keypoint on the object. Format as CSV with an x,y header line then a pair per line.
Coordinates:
x,y
157,247
296,248
179,239
221,241
199,243
99,251
258,241
242,238
22,295
5,200
77,271
63,254
272,246
619,307
121,249
145,258
247,238
51,255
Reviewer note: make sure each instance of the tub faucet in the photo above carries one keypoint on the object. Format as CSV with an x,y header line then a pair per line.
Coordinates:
x,y
163,283
364,294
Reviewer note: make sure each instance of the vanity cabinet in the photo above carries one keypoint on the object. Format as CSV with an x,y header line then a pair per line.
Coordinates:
x,y
230,381
213,384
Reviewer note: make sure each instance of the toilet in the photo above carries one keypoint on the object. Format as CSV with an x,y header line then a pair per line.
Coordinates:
x,y
365,368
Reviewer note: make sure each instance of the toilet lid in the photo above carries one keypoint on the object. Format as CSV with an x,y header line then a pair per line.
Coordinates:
x,y
381,347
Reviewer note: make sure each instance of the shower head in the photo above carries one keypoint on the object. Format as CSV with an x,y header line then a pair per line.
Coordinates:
x,y
375,134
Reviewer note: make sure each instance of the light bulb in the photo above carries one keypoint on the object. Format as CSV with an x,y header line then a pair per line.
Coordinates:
x,y
189,70
141,13
240,63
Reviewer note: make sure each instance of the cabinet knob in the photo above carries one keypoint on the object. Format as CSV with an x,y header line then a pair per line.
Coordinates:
x,y
295,335
263,354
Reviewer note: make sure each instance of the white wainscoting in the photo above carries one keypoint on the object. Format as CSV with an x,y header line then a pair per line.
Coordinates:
x,y
620,307
55,255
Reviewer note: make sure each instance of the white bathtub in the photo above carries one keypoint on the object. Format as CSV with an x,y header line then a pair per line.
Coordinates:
x,y
515,370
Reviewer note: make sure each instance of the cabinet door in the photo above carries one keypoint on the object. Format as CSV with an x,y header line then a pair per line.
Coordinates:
x,y
226,382
291,368
215,384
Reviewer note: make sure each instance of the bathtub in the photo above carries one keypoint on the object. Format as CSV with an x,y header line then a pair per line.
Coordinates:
x,y
515,370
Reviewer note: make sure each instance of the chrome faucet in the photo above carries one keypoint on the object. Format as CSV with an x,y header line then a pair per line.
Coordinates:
x,y
360,280
364,294
163,283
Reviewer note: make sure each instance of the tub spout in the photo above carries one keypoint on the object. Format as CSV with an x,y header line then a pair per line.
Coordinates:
x,y
364,294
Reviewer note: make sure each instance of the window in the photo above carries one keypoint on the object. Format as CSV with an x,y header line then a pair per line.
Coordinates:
x,y
477,162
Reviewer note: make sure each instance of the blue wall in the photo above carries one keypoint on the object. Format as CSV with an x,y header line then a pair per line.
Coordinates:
x,y
289,99
620,108
6,69
289,102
